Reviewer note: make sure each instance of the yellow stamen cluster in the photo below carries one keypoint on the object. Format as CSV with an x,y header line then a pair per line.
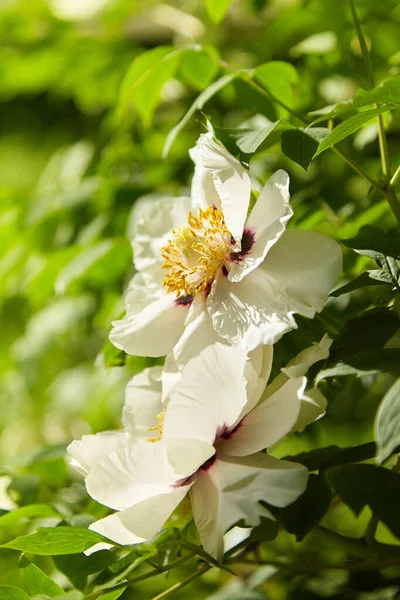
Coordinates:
x,y
195,253
159,427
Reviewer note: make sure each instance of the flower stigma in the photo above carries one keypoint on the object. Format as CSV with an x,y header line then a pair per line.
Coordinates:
x,y
159,427
196,252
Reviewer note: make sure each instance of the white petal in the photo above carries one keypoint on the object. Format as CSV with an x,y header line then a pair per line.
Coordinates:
x,y
98,547
265,224
154,330
203,190
268,422
257,372
142,402
142,521
305,359
150,224
170,376
231,181
313,406
86,453
128,476
306,265
198,333
230,491
250,312
207,401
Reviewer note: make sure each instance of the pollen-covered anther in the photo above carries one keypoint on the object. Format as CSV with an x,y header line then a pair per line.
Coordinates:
x,y
159,427
196,252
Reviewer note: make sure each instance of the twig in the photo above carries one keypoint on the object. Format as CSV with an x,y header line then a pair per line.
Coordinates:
x,y
184,582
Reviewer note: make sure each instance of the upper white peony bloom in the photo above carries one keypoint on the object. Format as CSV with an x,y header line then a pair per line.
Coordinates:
x,y
204,438
208,271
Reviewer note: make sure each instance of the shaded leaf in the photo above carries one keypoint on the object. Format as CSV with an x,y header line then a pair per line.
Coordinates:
x,y
307,511
370,362
299,146
386,91
362,485
368,278
387,423
349,126
331,456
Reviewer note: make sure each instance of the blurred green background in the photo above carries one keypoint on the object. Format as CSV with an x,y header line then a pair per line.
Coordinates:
x,y
74,156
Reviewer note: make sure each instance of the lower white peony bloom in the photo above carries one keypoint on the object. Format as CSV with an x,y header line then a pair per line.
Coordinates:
x,y
208,271
206,438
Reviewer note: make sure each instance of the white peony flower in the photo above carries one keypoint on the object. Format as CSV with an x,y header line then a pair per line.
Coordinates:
x,y
206,438
208,271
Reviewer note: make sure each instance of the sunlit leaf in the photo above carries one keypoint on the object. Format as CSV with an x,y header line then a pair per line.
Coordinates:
x,y
217,9
57,540
37,582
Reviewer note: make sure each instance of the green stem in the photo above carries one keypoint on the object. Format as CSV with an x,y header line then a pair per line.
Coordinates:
x,y
383,147
248,78
158,571
392,199
307,567
395,177
183,583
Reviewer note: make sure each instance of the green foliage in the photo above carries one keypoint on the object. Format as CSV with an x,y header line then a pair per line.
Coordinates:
x,y
54,541
387,427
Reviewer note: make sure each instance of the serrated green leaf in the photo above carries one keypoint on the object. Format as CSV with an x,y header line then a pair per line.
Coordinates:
x,y
198,104
9,592
307,511
55,540
387,423
32,511
299,146
217,9
349,126
37,582
362,485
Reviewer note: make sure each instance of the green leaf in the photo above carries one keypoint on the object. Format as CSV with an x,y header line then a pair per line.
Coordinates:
x,y
369,362
249,140
387,423
266,531
386,91
36,582
368,278
32,511
56,540
198,68
349,126
332,456
369,331
278,78
78,567
217,9
299,146
142,85
362,485
370,238
307,511
198,104
9,592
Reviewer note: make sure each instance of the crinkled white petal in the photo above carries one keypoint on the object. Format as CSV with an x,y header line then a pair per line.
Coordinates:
x,y
231,181
142,402
143,520
250,312
197,334
150,226
268,422
265,224
305,359
313,407
131,475
86,453
208,400
154,330
306,265
230,491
